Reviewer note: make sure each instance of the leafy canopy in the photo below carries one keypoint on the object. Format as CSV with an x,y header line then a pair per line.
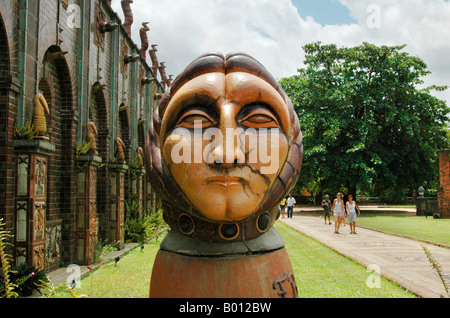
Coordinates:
x,y
365,122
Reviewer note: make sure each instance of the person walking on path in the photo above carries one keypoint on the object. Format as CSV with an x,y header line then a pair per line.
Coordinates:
x,y
290,206
351,212
326,204
338,212
283,208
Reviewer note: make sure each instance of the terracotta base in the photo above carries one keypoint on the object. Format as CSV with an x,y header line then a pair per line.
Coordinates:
x,y
267,275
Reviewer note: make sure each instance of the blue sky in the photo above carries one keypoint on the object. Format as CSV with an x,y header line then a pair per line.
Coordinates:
x,y
324,11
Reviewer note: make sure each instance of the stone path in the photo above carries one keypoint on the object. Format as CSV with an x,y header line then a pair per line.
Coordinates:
x,y
400,259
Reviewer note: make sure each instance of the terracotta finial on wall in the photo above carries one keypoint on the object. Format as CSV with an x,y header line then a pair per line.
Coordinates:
x,y
91,133
120,150
126,7
162,71
144,38
39,111
155,62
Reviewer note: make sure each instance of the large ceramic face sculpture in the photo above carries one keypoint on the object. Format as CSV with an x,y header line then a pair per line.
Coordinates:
x,y
225,146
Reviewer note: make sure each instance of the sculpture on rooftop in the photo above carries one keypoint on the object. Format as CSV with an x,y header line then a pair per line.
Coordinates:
x,y
140,157
154,58
162,72
120,154
128,13
144,39
39,121
91,137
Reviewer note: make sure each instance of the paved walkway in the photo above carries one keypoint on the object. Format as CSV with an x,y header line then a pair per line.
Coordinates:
x,y
379,208
400,259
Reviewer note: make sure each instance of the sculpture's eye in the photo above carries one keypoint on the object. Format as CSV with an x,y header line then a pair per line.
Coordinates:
x,y
195,119
258,117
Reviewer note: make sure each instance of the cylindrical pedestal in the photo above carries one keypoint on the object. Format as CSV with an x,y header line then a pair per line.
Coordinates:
x,y
260,275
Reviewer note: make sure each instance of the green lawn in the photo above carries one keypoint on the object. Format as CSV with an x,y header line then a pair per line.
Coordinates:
x,y
418,227
320,272
130,278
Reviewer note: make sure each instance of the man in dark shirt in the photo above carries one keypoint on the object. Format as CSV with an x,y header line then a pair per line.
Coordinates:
x,y
326,204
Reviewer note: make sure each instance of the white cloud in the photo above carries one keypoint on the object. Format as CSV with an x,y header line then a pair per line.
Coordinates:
x,y
183,30
274,32
423,25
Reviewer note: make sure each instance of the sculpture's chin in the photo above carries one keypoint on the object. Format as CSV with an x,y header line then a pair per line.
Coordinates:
x,y
225,203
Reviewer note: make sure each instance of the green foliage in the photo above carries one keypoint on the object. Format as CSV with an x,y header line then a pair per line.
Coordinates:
x,y
114,160
102,249
7,285
82,149
49,290
132,209
366,124
26,132
448,136
134,164
27,279
437,267
142,229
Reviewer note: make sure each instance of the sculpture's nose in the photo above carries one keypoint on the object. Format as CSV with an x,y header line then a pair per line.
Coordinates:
x,y
229,151
227,156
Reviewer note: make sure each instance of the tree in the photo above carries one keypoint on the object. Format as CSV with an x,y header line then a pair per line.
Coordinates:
x,y
365,122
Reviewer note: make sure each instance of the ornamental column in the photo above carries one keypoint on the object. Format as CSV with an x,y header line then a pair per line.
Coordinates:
x,y
32,157
116,230
86,236
137,188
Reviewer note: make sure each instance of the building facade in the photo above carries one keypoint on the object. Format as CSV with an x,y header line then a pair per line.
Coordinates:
x,y
444,188
72,68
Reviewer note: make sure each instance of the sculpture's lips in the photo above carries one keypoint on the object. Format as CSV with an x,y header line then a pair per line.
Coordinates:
x,y
225,181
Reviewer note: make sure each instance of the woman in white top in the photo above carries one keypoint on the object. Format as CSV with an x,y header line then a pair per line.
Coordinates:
x,y
351,212
338,211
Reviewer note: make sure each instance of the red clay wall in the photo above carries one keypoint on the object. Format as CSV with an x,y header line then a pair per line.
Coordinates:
x,y
444,190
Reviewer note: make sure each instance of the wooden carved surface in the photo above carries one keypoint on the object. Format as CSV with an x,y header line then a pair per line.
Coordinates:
x,y
99,37
289,280
81,215
21,255
228,185
53,245
123,52
93,182
22,171
40,176
39,257
122,185
39,221
93,230
22,221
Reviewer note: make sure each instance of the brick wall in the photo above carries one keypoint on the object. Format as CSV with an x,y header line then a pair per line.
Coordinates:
x,y
444,190
9,89
27,33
